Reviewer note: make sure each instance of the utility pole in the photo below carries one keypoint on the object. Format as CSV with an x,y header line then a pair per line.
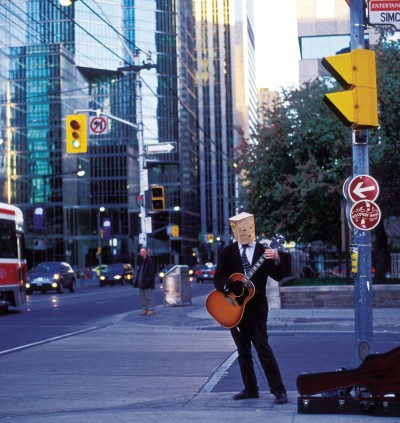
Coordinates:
x,y
140,136
363,280
357,107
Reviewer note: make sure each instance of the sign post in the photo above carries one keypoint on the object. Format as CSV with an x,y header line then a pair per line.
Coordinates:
x,y
361,238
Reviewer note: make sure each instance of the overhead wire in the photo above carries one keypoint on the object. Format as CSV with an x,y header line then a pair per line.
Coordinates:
x,y
211,140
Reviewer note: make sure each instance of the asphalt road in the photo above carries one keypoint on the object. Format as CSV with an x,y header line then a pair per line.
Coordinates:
x,y
50,316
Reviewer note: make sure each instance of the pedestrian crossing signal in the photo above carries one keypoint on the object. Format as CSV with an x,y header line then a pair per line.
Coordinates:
x,y
157,198
357,107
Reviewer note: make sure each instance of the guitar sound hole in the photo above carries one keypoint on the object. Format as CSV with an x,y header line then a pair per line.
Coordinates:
x,y
240,300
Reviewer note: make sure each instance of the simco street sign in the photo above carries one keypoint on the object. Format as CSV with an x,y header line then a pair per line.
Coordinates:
x,y
365,215
363,187
384,12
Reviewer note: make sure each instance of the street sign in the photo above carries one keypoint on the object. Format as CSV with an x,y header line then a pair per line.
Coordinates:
x,y
160,147
384,12
148,225
98,125
142,239
365,215
363,187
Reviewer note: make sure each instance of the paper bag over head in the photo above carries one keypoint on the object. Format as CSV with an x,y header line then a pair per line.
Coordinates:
x,y
243,228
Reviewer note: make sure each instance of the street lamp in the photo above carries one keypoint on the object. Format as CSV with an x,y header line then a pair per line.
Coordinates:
x,y
101,209
66,2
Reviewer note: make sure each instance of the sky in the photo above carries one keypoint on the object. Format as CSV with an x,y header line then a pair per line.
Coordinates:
x,y
277,59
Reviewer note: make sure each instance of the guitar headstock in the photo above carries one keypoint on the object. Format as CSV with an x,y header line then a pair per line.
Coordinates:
x,y
277,241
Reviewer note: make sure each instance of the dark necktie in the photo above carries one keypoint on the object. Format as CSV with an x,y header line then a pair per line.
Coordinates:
x,y
245,261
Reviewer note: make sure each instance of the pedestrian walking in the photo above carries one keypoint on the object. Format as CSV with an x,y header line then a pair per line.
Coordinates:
x,y
251,330
145,281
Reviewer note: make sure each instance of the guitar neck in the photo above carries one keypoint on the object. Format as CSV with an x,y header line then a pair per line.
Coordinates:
x,y
254,269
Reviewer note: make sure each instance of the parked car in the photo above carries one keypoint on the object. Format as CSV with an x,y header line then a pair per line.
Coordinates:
x,y
51,276
117,273
207,274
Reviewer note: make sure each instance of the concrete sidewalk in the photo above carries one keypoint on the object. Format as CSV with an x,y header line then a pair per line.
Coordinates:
x,y
155,368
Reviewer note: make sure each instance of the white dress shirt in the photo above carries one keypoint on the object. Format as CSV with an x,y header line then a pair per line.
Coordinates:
x,y
249,250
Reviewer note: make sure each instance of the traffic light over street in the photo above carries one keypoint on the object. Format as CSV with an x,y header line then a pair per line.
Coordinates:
x,y
76,134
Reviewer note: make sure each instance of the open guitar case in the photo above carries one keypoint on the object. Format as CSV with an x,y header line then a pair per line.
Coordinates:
x,y
371,389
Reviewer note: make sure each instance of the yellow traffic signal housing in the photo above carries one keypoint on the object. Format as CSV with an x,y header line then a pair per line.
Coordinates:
x,y
175,231
356,72
76,134
157,198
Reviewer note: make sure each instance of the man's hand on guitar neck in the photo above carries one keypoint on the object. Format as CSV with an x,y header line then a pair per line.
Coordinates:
x,y
271,254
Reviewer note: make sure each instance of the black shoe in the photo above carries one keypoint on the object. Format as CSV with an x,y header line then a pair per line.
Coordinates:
x,y
245,395
281,398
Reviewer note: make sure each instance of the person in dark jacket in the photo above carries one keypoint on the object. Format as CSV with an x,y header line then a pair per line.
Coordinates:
x,y
146,274
252,328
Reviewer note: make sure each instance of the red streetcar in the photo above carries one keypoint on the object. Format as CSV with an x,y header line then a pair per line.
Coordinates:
x,y
13,273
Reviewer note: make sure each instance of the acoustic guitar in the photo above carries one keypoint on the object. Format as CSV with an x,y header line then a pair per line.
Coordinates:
x,y
378,373
226,307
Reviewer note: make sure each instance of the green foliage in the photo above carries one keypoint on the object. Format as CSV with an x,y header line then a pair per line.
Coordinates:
x,y
385,141
295,166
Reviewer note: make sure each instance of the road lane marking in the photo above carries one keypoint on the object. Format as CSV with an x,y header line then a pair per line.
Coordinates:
x,y
219,374
46,341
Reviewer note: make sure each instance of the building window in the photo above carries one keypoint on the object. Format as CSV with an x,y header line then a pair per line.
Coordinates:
x,y
322,46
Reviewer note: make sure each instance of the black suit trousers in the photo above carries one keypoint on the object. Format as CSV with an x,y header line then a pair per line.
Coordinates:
x,y
255,332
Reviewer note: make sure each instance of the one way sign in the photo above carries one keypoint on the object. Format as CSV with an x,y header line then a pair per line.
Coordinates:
x,y
363,187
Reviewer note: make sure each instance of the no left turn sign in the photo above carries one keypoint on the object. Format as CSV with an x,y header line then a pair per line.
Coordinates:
x,y
98,125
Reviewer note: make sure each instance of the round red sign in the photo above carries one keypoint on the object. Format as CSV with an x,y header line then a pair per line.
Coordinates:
x,y
363,187
365,215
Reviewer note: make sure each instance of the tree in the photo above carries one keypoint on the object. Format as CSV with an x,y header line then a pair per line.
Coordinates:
x,y
295,165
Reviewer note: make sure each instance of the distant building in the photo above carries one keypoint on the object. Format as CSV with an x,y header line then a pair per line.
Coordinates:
x,y
227,108
323,30
266,99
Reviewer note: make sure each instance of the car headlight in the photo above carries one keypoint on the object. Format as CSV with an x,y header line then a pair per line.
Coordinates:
x,y
117,277
54,285
162,274
27,285
102,277
56,276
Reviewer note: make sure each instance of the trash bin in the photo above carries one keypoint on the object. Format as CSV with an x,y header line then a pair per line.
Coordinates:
x,y
177,289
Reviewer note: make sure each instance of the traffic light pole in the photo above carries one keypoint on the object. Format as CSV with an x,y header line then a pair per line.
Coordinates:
x,y
363,279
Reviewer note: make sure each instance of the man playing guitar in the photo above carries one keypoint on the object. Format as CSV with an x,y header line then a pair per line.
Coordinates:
x,y
251,329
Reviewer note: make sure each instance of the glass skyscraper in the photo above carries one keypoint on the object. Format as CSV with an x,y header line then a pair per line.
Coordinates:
x,y
227,102
55,61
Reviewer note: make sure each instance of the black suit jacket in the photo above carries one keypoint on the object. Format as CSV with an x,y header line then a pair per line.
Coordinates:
x,y
230,262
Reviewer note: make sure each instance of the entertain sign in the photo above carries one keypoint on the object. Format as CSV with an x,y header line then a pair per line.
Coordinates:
x,y
384,12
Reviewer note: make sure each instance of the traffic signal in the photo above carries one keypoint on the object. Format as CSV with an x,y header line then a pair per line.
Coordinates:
x,y
76,135
175,231
157,198
356,72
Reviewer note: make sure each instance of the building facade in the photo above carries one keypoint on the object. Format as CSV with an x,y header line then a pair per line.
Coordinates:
x,y
227,109
62,60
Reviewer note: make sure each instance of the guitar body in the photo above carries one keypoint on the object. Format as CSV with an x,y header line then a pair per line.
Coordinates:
x,y
227,308
378,373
